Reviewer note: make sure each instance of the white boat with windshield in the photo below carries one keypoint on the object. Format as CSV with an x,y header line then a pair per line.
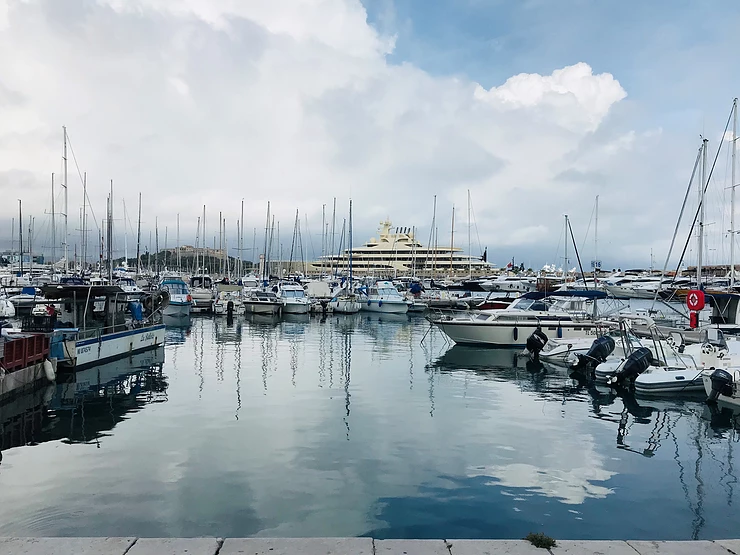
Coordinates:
x,y
382,296
567,314
293,297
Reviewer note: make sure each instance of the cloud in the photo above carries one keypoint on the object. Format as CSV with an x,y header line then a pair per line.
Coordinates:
x,y
202,102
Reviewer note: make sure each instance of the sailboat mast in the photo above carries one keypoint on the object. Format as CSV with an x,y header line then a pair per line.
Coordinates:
x,y
350,244
138,241
110,235
596,240
333,225
470,259
84,219
432,239
66,207
205,244
701,211
53,226
177,235
125,236
264,254
565,242
220,241
241,243
452,237
732,194
20,234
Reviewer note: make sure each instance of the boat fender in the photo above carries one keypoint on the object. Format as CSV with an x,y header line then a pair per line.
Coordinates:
x,y
516,333
49,370
560,332
721,385
368,303
380,303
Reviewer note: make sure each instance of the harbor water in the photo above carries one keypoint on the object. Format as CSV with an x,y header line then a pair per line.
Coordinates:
x,y
364,425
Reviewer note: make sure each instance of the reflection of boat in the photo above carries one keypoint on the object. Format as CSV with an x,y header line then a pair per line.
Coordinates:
x,y
176,321
297,318
263,319
466,357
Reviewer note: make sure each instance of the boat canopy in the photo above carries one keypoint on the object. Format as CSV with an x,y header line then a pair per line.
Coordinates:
x,y
81,291
585,294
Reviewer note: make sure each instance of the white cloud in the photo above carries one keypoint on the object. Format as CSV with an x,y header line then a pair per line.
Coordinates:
x,y
199,101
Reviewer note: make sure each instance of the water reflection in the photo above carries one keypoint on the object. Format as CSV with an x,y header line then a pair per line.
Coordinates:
x,y
86,406
352,425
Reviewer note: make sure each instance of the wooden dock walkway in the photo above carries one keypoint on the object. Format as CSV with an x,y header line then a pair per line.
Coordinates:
x,y
351,546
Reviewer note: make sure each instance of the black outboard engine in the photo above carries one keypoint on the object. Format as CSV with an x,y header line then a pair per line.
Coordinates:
x,y
230,309
636,364
536,342
721,385
600,349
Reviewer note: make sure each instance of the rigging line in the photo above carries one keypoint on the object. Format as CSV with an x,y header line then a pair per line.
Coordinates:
x,y
578,256
82,180
477,234
590,221
704,192
678,225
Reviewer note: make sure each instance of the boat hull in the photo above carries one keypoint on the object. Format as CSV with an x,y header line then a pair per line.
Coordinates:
x,y
345,306
386,307
177,310
89,352
295,308
262,308
499,334
669,381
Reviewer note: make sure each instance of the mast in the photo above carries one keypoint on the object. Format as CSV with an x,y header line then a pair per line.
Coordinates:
x,y
333,225
125,236
596,241
156,245
470,259
732,194
264,255
197,246
701,211
432,239
66,207
20,234
452,237
323,236
565,242
350,245
220,241
165,247
178,242
53,227
30,244
84,218
205,243
241,243
138,241
110,235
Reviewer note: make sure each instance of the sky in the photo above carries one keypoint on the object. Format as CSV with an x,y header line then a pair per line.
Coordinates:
x,y
530,107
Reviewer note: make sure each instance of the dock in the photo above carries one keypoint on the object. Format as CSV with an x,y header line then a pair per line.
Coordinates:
x,y
351,546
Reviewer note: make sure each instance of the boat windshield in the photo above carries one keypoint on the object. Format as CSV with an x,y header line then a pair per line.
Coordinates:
x,y
294,293
529,304
175,288
388,292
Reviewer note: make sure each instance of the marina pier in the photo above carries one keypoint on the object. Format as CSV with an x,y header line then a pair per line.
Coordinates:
x,y
351,546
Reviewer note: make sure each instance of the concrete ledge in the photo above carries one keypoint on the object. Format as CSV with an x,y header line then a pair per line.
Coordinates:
x,y
350,546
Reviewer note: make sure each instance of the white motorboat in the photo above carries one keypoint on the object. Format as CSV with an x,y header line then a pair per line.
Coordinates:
x,y
24,301
201,291
566,318
129,285
345,303
262,302
293,298
228,300
383,297
180,300
7,309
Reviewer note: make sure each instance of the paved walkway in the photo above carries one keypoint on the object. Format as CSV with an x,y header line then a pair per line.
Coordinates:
x,y
350,546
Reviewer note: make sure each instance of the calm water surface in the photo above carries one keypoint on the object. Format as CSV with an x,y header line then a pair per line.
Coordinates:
x,y
355,426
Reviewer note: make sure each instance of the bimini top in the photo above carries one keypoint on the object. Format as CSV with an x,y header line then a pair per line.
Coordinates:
x,y
81,291
585,294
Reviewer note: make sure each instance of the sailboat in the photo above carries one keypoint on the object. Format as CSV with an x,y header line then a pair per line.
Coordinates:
x,y
346,301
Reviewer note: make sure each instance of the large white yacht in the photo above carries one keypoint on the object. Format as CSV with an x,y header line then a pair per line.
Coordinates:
x,y
396,251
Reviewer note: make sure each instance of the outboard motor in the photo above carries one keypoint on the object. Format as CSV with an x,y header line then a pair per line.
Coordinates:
x,y
636,364
230,309
601,348
721,385
536,342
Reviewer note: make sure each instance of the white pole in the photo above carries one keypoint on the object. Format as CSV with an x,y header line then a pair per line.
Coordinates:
x,y
701,211
732,194
53,227
66,211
